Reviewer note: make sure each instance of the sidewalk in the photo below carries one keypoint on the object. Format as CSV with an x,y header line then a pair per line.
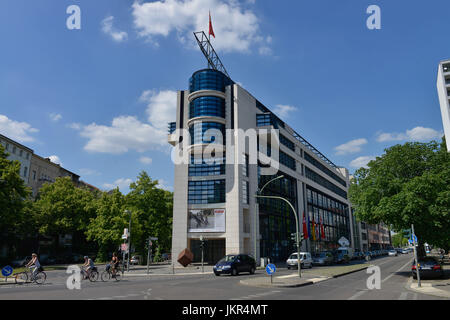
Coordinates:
x,y
309,276
164,270
434,287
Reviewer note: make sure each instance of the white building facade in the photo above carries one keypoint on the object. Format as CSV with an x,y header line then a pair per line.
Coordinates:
x,y
443,88
217,200
20,153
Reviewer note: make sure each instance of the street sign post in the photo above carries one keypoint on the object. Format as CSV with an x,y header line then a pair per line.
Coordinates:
x,y
414,239
271,269
6,272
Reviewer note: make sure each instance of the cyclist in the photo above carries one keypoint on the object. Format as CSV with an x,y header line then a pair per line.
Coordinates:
x,y
88,265
34,262
114,263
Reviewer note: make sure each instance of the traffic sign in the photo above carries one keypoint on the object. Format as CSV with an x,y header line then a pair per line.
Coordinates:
x,y
413,239
124,236
153,238
270,269
7,271
344,242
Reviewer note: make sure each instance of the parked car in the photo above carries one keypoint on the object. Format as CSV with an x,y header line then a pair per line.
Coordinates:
x,y
47,259
392,253
306,260
166,256
342,255
429,267
358,255
20,262
324,258
135,260
234,264
405,251
399,250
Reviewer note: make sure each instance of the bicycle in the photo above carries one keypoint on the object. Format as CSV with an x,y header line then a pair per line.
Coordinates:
x,y
93,274
22,277
107,274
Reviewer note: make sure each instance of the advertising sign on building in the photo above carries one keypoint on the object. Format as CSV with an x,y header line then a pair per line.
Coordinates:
x,y
206,220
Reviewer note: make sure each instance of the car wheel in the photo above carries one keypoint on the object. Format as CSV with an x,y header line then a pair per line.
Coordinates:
x,y
289,268
252,270
310,265
234,272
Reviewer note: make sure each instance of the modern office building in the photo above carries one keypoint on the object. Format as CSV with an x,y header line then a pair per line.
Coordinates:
x,y
379,236
217,200
443,88
20,153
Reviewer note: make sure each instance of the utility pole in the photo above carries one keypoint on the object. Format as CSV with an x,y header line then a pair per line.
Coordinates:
x,y
129,241
202,246
415,256
149,244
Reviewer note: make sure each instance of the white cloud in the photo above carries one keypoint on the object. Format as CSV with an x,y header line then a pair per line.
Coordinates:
x,y
415,134
116,35
162,184
55,159
161,107
236,28
361,161
15,130
75,126
122,183
55,117
145,160
282,110
350,147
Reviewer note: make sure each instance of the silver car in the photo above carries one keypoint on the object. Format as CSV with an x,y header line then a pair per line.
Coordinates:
x,y
323,258
305,260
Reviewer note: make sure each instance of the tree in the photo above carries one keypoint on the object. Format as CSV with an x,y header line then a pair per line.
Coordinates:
x,y
399,241
13,194
151,209
106,228
63,208
408,184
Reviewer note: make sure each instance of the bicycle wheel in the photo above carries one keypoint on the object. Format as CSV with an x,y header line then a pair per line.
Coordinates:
x,y
40,278
106,276
93,276
116,276
21,278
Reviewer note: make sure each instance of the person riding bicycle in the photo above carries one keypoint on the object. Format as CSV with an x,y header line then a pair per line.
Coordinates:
x,y
35,263
114,263
88,265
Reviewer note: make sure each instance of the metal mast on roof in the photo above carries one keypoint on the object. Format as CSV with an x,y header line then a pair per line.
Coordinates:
x,y
209,53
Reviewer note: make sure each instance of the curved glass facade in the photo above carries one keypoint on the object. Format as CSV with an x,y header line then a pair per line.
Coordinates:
x,y
208,79
198,136
207,106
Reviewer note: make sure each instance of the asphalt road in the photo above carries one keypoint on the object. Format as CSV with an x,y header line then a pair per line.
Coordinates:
x,y
395,273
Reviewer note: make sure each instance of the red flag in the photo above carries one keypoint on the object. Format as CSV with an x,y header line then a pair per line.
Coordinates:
x,y
211,31
305,228
322,229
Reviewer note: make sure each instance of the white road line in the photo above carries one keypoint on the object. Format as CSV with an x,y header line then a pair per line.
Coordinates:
x,y
358,294
393,274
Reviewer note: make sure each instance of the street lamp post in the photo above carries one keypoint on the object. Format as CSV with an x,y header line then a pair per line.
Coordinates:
x,y
129,240
296,221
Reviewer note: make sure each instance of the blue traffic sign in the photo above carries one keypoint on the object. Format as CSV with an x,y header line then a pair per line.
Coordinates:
x,y
270,269
413,239
7,271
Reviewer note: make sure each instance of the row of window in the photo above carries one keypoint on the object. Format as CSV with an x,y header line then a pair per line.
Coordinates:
x,y
287,160
208,79
204,192
172,127
207,106
198,167
324,169
215,135
310,174
288,143
320,200
13,149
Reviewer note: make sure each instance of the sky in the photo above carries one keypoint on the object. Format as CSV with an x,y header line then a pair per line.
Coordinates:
x,y
97,99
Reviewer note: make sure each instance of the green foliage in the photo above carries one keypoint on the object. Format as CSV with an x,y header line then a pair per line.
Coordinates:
x,y
13,195
409,184
399,241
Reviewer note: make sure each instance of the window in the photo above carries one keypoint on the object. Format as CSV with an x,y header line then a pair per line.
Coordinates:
x,y
7,146
286,160
198,136
288,143
25,171
34,174
208,191
310,174
245,165
20,153
172,126
209,79
28,156
207,106
201,167
324,169
446,67
245,195
14,150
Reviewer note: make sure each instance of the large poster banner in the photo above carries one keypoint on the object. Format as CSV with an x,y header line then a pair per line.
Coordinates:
x,y
206,220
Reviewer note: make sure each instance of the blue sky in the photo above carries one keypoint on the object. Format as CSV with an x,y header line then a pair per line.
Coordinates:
x,y
99,98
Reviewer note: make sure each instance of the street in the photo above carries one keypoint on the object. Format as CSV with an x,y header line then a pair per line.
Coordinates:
x,y
395,274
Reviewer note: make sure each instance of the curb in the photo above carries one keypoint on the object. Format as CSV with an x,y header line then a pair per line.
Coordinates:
x,y
349,272
434,291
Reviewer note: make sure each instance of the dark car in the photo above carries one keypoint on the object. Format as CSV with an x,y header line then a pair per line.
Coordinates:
x,y
323,258
429,267
234,264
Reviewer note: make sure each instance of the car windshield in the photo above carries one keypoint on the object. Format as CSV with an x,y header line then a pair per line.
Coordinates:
x,y
320,255
294,256
229,258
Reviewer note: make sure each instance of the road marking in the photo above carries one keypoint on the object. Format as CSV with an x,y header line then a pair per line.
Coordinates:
x,y
393,274
358,294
